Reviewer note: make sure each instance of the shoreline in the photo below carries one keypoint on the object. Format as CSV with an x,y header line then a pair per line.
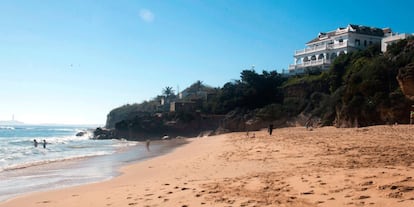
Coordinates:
x,y
371,166
49,176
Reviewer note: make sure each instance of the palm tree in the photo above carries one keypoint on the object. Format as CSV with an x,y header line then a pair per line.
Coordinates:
x,y
168,92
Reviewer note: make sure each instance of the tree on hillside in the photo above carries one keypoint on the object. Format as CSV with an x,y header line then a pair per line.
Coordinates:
x,y
261,89
196,87
168,92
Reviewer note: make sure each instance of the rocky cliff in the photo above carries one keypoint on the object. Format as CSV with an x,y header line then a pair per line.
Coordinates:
x,y
156,126
361,88
406,80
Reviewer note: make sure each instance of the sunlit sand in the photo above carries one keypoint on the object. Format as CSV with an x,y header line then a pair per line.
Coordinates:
x,y
294,167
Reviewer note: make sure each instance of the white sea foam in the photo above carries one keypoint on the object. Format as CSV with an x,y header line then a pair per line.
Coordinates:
x,y
42,162
17,149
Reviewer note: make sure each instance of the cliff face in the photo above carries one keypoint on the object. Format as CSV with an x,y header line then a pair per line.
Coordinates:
x,y
156,126
405,79
361,88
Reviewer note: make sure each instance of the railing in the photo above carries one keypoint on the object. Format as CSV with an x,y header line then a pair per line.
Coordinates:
x,y
309,64
321,48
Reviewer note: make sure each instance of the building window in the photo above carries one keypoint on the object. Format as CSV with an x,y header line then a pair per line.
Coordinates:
x,y
365,43
370,42
357,42
341,41
320,57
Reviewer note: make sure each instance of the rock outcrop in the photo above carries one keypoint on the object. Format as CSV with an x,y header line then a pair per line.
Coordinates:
x,y
103,133
157,127
80,134
406,80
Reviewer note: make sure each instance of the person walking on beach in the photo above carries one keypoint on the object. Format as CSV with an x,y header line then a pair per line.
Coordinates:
x,y
270,129
44,143
35,142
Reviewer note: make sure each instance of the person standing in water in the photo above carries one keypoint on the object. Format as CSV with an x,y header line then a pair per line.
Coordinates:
x,y
148,145
44,143
35,142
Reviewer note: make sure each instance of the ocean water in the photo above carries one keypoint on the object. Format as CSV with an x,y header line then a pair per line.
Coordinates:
x,y
17,146
67,160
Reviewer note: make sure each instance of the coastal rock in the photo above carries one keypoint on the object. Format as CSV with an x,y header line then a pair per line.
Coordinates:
x,y
242,120
103,133
80,134
405,79
155,127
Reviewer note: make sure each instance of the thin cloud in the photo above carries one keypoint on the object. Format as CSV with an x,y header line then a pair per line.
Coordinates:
x,y
146,15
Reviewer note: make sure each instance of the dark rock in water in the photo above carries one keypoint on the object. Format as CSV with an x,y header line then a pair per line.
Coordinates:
x,y
80,134
102,133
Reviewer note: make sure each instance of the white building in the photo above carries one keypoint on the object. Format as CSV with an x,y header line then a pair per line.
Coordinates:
x,y
320,52
391,39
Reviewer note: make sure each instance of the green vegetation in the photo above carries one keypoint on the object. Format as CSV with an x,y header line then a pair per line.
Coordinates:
x,y
359,89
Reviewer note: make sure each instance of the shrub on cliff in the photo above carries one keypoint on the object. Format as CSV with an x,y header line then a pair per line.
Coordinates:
x,y
368,78
252,91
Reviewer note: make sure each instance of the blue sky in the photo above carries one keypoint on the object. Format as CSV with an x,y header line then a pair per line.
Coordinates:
x,y
73,61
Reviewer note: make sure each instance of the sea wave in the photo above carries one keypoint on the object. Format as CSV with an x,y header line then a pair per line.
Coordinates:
x,y
43,162
6,128
63,129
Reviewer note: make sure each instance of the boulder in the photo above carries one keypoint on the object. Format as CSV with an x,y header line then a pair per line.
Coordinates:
x,y
80,134
405,79
102,133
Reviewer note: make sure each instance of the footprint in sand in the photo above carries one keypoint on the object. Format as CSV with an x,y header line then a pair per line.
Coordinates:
x,y
367,183
308,192
363,197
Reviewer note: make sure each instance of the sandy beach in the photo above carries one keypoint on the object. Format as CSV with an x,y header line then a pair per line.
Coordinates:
x,y
370,166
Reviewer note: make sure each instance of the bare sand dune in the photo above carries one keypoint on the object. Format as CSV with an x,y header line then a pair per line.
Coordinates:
x,y
327,166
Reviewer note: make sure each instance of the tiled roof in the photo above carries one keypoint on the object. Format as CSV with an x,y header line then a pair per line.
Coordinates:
x,y
351,28
367,30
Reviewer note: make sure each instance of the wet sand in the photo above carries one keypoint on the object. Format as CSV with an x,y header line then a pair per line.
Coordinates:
x,y
78,171
327,166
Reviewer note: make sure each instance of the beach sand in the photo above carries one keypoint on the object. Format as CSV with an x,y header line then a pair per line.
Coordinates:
x,y
370,166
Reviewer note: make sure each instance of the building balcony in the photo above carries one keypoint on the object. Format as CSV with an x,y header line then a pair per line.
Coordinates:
x,y
319,48
312,63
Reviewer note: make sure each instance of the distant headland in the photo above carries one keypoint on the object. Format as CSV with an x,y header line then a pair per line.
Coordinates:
x,y
11,122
